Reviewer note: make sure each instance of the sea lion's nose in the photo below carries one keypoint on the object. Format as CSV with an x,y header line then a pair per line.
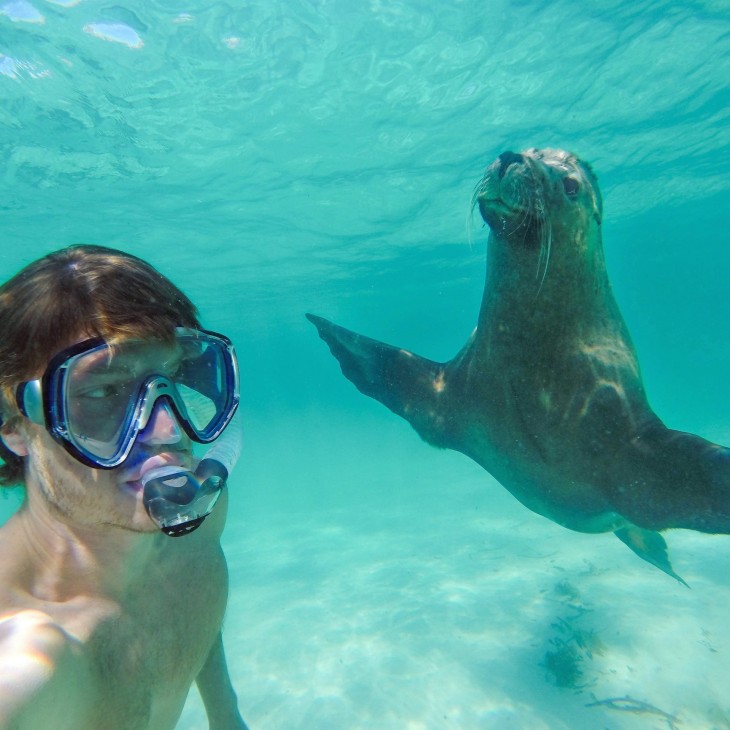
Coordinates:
x,y
506,159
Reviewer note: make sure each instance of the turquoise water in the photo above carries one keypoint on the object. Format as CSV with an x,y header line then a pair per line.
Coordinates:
x,y
276,157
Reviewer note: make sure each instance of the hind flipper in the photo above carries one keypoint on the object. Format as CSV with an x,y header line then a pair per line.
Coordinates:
x,y
650,546
409,385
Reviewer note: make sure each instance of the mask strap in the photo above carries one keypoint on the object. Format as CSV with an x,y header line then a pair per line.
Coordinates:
x,y
29,399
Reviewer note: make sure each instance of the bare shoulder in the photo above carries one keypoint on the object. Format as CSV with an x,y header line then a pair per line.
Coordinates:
x,y
41,667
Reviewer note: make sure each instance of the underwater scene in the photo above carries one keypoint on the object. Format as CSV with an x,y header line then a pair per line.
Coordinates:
x,y
282,157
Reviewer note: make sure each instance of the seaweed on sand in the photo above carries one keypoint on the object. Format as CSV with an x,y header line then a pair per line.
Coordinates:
x,y
565,662
629,704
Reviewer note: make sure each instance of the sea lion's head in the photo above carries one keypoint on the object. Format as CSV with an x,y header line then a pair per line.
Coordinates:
x,y
538,199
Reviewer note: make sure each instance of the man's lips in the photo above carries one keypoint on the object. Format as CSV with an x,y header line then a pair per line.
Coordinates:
x,y
133,476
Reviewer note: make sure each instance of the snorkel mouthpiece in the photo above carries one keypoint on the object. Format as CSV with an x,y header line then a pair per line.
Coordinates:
x,y
178,500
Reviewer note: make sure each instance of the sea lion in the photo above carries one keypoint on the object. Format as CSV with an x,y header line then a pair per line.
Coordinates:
x,y
546,394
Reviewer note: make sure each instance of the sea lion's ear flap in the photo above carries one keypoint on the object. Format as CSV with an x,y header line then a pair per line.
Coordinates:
x,y
597,200
597,205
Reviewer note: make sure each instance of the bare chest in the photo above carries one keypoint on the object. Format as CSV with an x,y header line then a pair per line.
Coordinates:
x,y
146,654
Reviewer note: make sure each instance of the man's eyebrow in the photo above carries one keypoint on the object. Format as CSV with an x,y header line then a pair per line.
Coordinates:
x,y
100,372
111,369
117,363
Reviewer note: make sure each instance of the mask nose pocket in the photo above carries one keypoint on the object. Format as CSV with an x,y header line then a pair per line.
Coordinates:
x,y
162,426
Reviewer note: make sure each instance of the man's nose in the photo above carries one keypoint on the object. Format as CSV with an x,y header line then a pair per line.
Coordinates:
x,y
162,427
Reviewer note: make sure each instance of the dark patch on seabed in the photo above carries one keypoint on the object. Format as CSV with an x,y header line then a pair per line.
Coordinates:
x,y
575,642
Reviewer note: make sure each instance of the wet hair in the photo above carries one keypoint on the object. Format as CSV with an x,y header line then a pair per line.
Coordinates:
x,y
78,292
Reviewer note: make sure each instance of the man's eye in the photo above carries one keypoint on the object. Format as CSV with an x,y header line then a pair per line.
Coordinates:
x,y
108,390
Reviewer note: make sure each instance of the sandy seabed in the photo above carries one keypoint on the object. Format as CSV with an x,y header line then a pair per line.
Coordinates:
x,y
428,598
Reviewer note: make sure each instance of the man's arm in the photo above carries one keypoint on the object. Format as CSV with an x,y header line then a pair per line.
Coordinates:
x,y
44,681
216,690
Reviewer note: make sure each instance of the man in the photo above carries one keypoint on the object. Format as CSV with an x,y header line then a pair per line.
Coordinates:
x,y
112,588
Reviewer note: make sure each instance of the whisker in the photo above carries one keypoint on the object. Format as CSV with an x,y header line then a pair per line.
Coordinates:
x,y
546,242
524,203
478,189
549,248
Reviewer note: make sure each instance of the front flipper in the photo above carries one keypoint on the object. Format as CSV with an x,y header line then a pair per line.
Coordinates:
x,y
409,385
650,546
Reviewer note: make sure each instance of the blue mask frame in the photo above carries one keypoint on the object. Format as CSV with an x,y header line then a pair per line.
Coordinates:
x,y
43,400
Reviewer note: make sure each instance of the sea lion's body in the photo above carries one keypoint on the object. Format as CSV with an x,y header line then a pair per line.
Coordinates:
x,y
547,395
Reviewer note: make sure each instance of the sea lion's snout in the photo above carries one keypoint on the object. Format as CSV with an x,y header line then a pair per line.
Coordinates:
x,y
505,190
518,187
506,159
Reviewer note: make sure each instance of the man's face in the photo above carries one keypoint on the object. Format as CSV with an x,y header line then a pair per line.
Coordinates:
x,y
92,497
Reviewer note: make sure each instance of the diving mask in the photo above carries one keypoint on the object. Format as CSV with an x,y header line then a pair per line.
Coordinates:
x,y
96,397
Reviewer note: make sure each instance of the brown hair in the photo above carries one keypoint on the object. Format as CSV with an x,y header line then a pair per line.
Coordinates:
x,y
78,291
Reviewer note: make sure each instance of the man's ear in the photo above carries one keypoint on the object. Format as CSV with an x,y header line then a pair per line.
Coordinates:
x,y
14,440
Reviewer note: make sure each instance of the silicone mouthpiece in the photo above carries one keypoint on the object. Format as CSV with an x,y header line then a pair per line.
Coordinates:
x,y
177,500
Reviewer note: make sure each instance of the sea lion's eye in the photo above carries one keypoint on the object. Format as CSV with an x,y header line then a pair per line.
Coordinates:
x,y
571,187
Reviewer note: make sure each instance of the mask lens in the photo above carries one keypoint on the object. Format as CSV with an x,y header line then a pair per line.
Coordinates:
x,y
101,389
202,384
